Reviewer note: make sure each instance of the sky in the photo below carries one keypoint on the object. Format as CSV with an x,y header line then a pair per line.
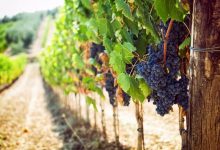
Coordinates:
x,y
12,7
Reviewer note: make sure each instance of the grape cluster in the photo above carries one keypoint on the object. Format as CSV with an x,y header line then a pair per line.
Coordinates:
x,y
168,84
178,32
95,50
126,98
110,88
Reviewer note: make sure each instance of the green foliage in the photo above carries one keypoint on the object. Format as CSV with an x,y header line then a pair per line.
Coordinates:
x,y
185,43
169,9
146,90
125,28
92,102
57,59
46,31
133,87
23,31
11,68
3,28
121,5
123,81
17,47
117,63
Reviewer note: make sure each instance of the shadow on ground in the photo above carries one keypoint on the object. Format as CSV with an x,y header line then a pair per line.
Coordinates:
x,y
76,134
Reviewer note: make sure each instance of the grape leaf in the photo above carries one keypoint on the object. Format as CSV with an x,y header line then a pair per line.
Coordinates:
x,y
162,8
129,46
116,25
125,53
169,9
86,3
117,63
102,26
134,90
90,101
121,5
144,17
132,25
176,12
89,83
185,43
99,91
124,81
146,90
108,44
77,61
126,36
141,44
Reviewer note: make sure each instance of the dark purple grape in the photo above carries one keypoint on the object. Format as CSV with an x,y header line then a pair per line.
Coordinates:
x,y
164,78
110,88
126,98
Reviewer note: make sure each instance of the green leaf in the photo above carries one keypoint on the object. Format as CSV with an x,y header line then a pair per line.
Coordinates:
x,y
141,43
169,9
126,36
129,46
89,83
177,12
108,44
134,90
121,5
146,90
92,102
145,20
124,81
185,43
86,3
124,52
116,25
110,30
132,25
77,61
162,8
102,26
117,63
99,91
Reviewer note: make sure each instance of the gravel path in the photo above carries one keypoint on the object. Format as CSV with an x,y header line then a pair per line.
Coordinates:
x,y
25,121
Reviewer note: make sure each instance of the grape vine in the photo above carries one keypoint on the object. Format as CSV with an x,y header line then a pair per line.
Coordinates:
x,y
123,29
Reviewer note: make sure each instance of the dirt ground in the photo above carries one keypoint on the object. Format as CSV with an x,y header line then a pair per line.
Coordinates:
x,y
32,117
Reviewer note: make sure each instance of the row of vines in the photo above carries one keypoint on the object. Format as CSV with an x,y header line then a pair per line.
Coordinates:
x,y
136,50
11,68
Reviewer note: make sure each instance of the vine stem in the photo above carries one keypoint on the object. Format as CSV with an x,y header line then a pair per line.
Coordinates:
x,y
116,125
166,40
139,118
95,117
133,66
103,119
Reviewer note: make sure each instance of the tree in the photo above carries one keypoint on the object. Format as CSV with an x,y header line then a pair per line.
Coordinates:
x,y
203,117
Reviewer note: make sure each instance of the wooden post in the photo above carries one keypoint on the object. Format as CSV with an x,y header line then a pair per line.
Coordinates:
x,y
203,116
